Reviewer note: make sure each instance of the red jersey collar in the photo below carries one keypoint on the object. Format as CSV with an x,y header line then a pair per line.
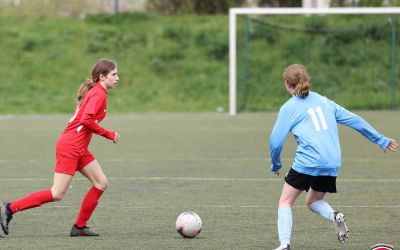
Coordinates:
x,y
98,85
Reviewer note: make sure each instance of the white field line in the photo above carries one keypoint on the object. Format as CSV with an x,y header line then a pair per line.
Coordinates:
x,y
223,206
210,179
6,117
148,129
227,159
41,128
235,179
187,159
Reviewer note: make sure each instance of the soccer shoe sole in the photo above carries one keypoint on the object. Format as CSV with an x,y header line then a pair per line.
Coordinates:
x,y
342,230
3,219
287,247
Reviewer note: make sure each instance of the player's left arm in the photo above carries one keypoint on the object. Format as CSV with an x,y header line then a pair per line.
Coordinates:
x,y
96,105
89,122
345,117
392,146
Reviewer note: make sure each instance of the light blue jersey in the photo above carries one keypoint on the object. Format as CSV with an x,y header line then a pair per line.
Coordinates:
x,y
313,122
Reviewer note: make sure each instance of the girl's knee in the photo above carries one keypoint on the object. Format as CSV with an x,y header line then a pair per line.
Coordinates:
x,y
285,203
309,203
57,196
102,185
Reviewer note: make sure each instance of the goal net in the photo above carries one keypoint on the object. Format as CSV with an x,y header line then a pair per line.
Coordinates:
x,y
351,55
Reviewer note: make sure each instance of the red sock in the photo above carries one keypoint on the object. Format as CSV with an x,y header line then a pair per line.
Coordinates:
x,y
89,203
35,199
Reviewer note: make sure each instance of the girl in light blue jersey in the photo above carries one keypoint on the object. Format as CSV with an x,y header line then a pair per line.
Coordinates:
x,y
312,119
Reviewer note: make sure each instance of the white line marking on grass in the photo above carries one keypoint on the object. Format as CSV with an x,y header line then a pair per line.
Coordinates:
x,y
236,179
27,160
271,206
43,128
25,179
215,179
225,206
145,129
6,117
232,159
191,159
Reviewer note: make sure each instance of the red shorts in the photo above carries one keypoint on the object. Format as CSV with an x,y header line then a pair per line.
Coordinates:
x,y
68,165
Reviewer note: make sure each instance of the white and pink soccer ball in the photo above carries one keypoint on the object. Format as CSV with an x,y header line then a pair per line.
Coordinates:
x,y
188,224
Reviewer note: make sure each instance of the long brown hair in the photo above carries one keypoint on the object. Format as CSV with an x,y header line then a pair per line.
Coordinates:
x,y
297,77
102,67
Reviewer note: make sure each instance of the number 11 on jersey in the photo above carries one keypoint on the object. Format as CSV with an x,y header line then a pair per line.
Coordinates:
x,y
321,122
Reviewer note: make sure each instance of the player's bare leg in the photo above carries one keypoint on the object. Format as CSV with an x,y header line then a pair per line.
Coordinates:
x,y
94,173
286,201
315,201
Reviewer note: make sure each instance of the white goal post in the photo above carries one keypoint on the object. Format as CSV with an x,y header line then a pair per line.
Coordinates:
x,y
234,12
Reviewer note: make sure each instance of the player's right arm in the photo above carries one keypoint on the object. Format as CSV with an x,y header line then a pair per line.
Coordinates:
x,y
278,136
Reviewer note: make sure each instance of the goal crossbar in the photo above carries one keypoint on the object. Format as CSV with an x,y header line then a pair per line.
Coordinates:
x,y
233,12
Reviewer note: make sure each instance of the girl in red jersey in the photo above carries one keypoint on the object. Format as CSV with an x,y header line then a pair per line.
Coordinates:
x,y
72,152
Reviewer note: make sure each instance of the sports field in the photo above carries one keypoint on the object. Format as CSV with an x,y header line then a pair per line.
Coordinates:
x,y
212,164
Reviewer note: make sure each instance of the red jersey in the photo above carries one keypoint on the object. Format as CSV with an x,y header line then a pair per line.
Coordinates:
x,y
76,137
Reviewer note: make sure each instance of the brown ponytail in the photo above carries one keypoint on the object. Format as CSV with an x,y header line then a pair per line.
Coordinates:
x,y
102,67
302,89
297,77
83,89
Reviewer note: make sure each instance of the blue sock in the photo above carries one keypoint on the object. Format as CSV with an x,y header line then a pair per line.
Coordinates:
x,y
285,224
322,208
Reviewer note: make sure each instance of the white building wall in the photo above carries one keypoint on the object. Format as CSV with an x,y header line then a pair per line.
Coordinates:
x,y
316,3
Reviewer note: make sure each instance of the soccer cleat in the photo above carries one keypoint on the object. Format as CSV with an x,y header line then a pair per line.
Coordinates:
x,y
85,231
5,217
339,223
283,247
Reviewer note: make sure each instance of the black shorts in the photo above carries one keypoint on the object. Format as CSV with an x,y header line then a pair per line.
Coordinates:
x,y
325,184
